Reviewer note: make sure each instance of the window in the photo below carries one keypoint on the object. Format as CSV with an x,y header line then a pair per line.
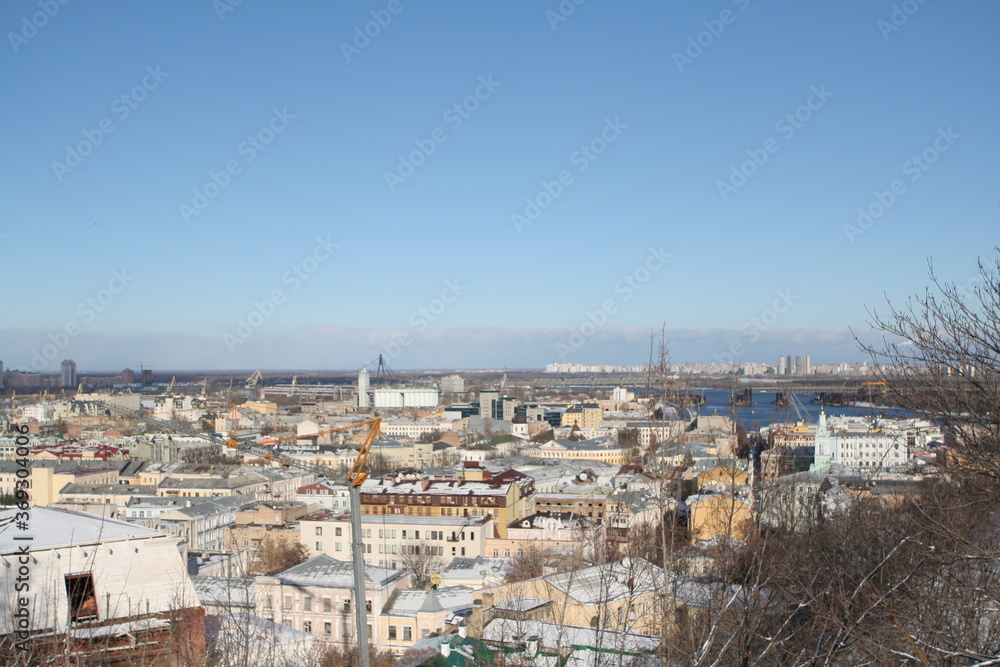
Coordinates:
x,y
307,626
392,633
288,603
328,629
496,553
337,546
82,599
347,605
319,530
327,605
407,633
319,546
307,604
338,531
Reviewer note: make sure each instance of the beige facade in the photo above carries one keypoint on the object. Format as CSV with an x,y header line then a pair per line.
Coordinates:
x,y
715,515
583,415
390,541
621,595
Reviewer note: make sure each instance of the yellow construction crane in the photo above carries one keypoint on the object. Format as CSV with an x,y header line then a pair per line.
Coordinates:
x,y
170,387
355,478
356,475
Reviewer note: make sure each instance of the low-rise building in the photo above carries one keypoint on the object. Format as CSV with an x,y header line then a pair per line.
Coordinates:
x,y
99,587
605,450
202,525
317,597
394,541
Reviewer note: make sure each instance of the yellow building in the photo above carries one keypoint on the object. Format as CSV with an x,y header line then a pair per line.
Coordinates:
x,y
621,595
717,514
583,415
727,475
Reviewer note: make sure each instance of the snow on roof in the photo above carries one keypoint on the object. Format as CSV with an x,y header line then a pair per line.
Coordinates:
x,y
225,592
604,583
410,602
553,636
325,571
52,527
521,603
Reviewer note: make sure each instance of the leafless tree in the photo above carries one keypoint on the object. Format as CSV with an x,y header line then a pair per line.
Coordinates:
x,y
421,560
941,360
276,555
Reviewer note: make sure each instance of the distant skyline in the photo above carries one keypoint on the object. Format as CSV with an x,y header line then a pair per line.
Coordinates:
x,y
465,184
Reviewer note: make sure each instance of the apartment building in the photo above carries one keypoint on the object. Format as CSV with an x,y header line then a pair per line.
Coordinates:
x,y
474,491
392,540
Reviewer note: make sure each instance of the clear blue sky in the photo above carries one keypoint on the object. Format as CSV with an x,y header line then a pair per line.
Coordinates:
x,y
339,110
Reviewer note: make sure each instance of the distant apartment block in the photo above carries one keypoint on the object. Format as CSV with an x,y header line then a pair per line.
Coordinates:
x,y
452,384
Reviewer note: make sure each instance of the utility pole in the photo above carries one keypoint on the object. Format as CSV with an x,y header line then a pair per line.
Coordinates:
x,y
360,604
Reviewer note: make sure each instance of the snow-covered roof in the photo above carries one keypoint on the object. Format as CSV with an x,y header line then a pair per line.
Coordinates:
x,y
604,583
225,591
51,527
327,572
412,602
553,636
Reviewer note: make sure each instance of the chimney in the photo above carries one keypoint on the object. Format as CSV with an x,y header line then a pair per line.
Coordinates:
x,y
446,649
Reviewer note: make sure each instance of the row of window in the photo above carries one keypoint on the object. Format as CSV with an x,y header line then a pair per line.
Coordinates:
x,y
307,605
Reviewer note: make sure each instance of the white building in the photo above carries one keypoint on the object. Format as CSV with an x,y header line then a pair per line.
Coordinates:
x,y
452,384
392,540
98,578
317,597
416,397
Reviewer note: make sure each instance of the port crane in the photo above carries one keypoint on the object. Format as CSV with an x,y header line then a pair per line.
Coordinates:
x,y
355,477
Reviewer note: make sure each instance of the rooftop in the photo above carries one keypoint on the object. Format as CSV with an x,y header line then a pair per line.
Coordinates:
x,y
327,572
51,528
